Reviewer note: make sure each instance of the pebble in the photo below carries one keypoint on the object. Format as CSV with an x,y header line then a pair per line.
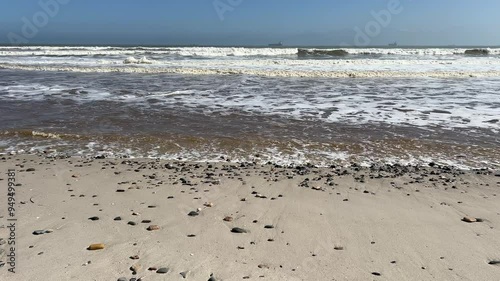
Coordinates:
x,y
229,219
132,223
469,219
94,247
238,230
122,279
38,232
94,218
162,270
118,219
269,226
135,257
376,274
30,170
135,268
184,274
153,227
193,214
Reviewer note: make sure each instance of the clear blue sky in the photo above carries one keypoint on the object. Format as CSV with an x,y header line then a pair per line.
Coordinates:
x,y
296,22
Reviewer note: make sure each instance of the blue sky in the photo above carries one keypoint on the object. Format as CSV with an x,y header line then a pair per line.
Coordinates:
x,y
251,22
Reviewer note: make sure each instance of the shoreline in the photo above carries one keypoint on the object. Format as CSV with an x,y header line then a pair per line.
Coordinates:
x,y
301,223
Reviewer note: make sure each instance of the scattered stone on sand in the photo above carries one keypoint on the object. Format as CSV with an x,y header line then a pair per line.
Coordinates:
x,y
208,204
30,170
94,247
120,190
135,268
153,227
118,219
152,268
269,226
228,219
38,232
184,274
122,279
162,270
263,266
494,262
191,235
134,257
376,274
238,230
146,221
94,218
193,214
132,223
469,219
338,248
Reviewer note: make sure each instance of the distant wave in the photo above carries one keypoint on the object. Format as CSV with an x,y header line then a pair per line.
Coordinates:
x,y
320,52
215,52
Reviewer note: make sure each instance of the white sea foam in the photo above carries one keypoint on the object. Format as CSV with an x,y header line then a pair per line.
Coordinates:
x,y
219,51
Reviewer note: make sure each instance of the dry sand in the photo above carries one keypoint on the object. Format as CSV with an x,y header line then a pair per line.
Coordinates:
x,y
395,223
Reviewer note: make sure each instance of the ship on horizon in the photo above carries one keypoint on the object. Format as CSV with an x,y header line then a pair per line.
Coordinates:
x,y
280,44
395,44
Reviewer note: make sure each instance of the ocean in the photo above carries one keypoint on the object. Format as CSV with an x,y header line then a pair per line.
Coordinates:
x,y
281,105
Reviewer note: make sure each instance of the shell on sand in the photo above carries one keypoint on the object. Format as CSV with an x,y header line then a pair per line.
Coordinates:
x,y
94,247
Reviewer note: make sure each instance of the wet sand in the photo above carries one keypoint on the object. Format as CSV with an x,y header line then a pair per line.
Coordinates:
x,y
228,221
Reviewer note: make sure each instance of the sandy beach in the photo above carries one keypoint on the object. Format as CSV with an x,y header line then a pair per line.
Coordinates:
x,y
165,220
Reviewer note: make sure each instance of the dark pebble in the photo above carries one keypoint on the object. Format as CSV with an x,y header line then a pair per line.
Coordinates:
x,y
376,274
269,226
132,223
193,214
94,218
238,230
118,218
162,270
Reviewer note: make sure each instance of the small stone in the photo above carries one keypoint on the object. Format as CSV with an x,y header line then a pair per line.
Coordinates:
x,y
49,230
469,219
228,219
265,266
338,248
184,274
162,270
135,268
269,226
30,170
94,218
146,221
38,232
132,223
152,268
135,257
238,230
208,204
376,274
118,219
153,227
120,190
122,279
193,214
94,247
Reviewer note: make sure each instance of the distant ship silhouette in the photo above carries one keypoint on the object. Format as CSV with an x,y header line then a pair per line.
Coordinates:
x,y
395,44
280,44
